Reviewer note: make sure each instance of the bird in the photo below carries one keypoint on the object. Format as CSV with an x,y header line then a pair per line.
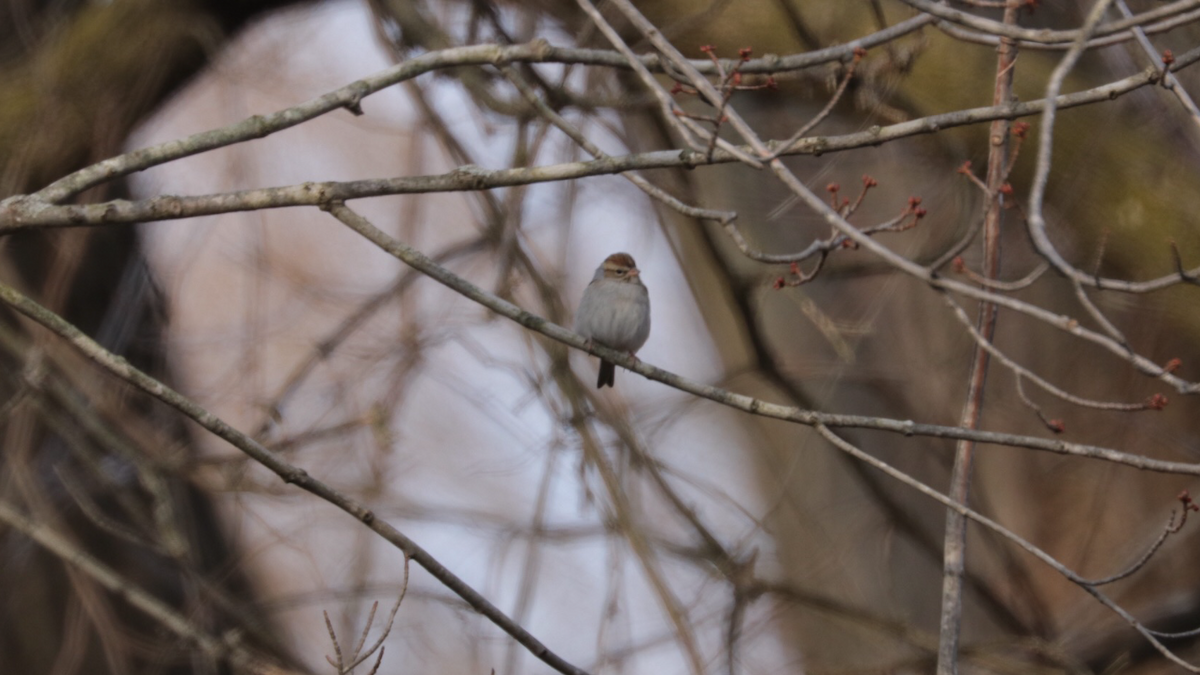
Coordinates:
x,y
615,311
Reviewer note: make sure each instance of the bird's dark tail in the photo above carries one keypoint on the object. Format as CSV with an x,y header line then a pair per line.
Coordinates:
x,y
608,374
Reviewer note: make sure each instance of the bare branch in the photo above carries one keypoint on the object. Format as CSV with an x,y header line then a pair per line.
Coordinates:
x,y
1049,36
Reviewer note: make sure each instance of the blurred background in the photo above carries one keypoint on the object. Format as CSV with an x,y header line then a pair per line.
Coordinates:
x,y
632,530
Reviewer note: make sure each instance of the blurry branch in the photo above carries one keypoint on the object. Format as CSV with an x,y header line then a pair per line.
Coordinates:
x,y
61,392
626,523
692,133
995,657
226,649
329,344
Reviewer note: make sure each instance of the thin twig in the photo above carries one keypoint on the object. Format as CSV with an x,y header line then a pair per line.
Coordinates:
x,y
1006,286
337,648
387,629
1162,26
1023,372
824,112
1172,527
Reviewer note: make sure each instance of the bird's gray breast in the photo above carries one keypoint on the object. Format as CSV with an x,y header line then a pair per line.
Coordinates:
x,y
616,316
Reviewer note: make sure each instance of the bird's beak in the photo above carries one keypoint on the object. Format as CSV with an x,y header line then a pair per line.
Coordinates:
x,y
634,272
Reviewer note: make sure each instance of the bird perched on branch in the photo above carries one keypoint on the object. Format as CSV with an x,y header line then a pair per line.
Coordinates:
x,y
615,311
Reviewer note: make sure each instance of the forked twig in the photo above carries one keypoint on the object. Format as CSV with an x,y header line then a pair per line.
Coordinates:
x,y
358,656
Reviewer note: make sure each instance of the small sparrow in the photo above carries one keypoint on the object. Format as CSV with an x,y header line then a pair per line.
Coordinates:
x,y
615,311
